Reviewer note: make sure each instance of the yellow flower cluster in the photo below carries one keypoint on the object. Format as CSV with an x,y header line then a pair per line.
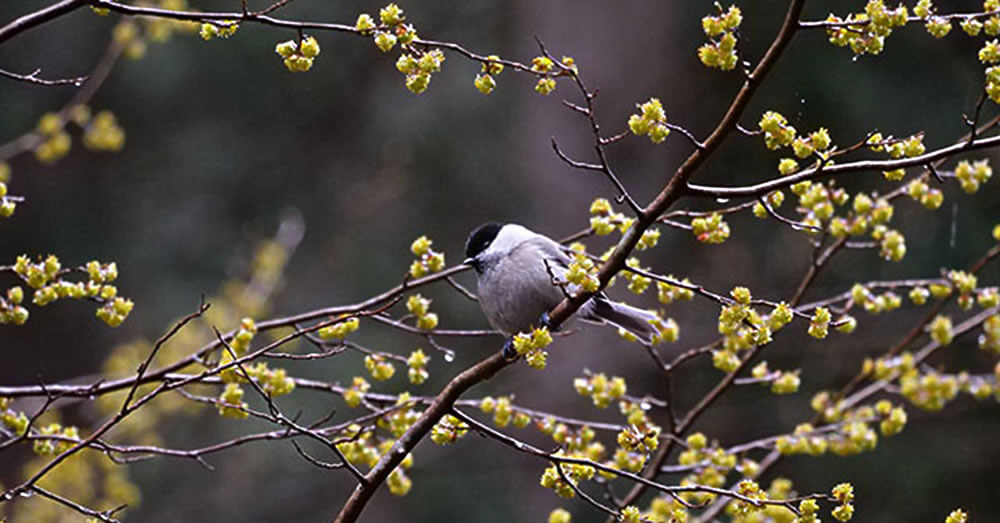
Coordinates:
x,y
358,446
781,382
275,382
544,66
51,447
103,133
750,489
779,489
711,466
399,420
875,304
298,56
559,515
239,345
804,440
777,131
893,418
743,328
100,133
417,367
941,330
339,330
600,388
127,35
379,367
532,346
667,331
930,198
844,494
231,404
11,310
820,323
551,479
223,29
582,272
651,120
818,142
990,338
639,439
865,33
720,50
354,394
930,391
970,176
603,220
817,203
420,307
631,514
634,444
666,509
485,82
244,335
398,482
7,203
668,293
428,260
868,217
448,430
419,67
46,277
710,230
504,413
56,142
17,422
637,283
416,64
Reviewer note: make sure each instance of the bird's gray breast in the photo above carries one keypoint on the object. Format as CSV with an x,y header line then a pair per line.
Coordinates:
x,y
515,290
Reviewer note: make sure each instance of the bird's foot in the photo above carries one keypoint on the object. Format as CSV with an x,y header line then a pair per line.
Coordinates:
x,y
546,322
508,351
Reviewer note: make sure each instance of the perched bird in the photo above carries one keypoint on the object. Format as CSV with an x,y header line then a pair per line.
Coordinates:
x,y
519,274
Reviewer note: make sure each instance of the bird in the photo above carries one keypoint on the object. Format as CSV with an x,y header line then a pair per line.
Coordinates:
x,y
519,273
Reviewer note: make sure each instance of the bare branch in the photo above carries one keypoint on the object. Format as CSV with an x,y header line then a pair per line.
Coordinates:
x,y
30,20
816,173
33,78
202,307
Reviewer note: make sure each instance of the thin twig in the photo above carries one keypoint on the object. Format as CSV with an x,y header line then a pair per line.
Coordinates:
x,y
33,78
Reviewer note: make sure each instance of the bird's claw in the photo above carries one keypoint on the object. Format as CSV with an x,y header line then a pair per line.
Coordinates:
x,y
546,322
508,351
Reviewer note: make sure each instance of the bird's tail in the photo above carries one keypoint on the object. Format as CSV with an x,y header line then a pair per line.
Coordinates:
x,y
633,319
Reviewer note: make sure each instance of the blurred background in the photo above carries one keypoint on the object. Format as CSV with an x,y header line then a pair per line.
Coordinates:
x,y
223,143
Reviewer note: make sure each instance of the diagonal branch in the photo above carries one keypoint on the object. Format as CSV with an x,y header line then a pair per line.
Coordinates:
x,y
676,187
442,405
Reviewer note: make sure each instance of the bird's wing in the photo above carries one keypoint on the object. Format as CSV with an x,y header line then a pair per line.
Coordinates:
x,y
555,262
550,252
600,309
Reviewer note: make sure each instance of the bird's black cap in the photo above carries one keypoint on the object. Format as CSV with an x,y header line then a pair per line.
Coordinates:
x,y
481,238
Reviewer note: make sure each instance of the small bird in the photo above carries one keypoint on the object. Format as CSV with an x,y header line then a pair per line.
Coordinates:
x,y
518,274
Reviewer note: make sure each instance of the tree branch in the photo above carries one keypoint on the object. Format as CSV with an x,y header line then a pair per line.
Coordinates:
x,y
30,20
442,404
